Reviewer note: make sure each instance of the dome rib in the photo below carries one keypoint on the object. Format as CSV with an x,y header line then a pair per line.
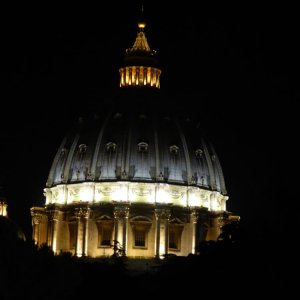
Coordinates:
x,y
55,162
220,172
186,151
210,166
66,171
127,155
97,147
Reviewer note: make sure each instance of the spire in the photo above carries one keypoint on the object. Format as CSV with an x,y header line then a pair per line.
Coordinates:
x,y
140,63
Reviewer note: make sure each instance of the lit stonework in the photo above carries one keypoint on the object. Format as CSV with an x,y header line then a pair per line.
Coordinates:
x,y
3,208
135,74
140,182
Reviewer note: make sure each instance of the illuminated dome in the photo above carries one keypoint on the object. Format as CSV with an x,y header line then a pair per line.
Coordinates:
x,y
136,147
136,176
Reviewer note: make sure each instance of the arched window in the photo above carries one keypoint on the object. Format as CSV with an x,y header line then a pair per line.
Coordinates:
x,y
82,148
110,147
142,147
174,150
198,153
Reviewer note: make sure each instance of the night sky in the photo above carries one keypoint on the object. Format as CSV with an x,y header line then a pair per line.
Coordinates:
x,y
231,70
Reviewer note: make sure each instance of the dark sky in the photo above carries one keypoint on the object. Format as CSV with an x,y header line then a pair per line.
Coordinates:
x,y
233,69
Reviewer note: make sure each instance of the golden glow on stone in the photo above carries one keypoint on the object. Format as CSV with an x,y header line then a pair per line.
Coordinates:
x,y
86,194
162,195
120,193
136,192
194,199
3,209
140,76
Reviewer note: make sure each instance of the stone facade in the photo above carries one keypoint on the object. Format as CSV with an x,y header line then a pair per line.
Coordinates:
x,y
136,230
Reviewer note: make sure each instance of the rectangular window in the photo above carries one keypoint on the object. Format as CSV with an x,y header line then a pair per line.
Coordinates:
x,y
106,237
105,232
173,240
140,238
73,234
175,232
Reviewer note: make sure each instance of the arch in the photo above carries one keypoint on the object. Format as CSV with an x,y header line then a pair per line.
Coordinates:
x,y
141,219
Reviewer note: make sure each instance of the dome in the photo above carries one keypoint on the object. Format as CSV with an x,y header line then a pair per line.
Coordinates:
x,y
137,179
137,147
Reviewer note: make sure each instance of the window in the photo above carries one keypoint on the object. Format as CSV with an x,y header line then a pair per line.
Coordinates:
x,y
175,231
140,228
64,151
105,231
173,240
110,147
142,147
194,179
73,234
199,153
106,237
174,149
140,238
82,148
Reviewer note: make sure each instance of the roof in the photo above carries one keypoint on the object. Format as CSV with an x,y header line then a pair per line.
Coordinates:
x,y
137,146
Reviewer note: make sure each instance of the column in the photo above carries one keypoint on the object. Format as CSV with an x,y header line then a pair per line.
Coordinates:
x,y
121,212
85,215
36,220
53,217
162,214
194,219
78,251
167,218
49,233
116,231
157,234
82,215
125,225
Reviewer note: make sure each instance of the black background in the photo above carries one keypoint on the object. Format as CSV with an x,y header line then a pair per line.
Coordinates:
x,y
233,69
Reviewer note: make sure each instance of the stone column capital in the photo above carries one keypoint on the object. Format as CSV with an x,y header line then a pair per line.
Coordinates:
x,y
162,213
36,218
121,211
82,212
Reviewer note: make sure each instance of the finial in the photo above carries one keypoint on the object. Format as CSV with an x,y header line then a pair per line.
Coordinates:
x,y
142,24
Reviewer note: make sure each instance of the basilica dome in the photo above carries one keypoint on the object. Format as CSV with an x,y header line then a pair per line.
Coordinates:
x,y
136,174
137,147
